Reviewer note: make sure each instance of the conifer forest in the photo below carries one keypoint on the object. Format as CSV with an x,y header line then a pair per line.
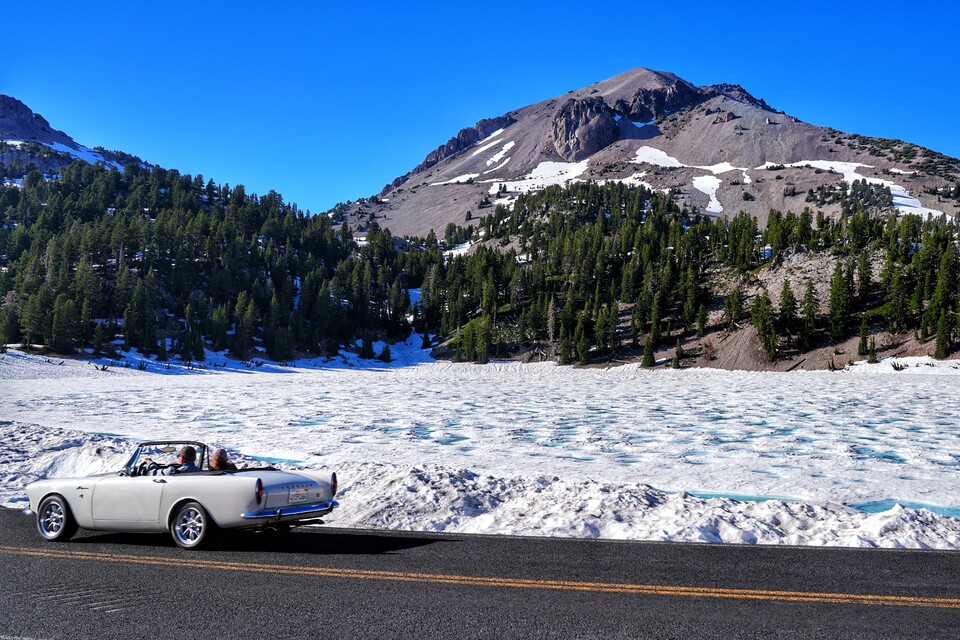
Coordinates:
x,y
171,265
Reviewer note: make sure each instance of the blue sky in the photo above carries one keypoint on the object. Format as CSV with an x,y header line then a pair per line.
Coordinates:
x,y
328,103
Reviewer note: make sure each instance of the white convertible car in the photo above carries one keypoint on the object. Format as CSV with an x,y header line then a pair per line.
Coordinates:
x,y
191,506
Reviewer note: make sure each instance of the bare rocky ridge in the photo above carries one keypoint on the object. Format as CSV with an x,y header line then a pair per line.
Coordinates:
x,y
604,126
19,122
46,148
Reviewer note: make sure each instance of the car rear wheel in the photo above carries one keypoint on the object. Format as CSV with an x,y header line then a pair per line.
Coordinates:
x,y
54,520
191,526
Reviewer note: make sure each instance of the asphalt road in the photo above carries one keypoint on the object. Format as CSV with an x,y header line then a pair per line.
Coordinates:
x,y
338,583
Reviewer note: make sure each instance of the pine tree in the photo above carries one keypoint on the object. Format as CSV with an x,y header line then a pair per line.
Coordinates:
x,y
613,320
808,324
37,317
862,346
678,355
787,319
872,352
840,303
763,322
944,338
483,340
863,277
896,303
9,325
600,330
65,324
563,355
219,326
248,319
366,348
733,308
944,296
648,352
99,337
702,321
385,354
581,340
85,328
655,321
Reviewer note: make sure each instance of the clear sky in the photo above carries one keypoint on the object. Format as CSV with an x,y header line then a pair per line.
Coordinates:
x,y
326,102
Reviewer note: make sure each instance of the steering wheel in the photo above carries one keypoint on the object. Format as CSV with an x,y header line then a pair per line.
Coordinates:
x,y
140,469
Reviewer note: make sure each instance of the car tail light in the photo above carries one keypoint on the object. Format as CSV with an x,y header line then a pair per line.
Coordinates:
x,y
333,484
259,491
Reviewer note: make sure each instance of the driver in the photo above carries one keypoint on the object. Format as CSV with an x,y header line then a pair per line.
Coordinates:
x,y
186,463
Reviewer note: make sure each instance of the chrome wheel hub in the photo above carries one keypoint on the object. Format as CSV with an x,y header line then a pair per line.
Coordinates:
x,y
51,520
190,526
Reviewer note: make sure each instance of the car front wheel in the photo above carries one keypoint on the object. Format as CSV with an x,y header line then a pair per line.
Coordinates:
x,y
54,520
191,526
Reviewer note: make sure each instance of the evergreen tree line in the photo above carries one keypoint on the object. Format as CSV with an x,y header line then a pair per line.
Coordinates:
x,y
172,262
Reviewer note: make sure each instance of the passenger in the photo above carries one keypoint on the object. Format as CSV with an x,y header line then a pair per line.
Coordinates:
x,y
186,463
220,462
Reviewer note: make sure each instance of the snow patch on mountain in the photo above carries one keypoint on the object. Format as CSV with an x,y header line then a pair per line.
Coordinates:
x,y
497,157
487,145
83,153
636,180
656,157
709,186
457,180
498,167
546,174
902,200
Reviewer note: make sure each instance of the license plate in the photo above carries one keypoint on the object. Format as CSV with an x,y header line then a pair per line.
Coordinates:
x,y
298,495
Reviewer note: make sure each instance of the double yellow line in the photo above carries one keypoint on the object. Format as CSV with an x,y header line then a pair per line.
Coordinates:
x,y
513,583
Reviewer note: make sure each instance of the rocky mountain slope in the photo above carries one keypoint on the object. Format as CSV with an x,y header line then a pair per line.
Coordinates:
x,y
721,148
28,141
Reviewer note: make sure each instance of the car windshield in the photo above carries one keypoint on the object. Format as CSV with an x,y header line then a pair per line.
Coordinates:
x,y
164,453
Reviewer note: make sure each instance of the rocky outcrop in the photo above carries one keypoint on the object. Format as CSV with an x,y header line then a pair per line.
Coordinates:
x,y
19,122
723,116
455,145
650,103
581,127
736,92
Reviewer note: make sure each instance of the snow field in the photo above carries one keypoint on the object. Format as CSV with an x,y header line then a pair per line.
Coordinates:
x,y
533,449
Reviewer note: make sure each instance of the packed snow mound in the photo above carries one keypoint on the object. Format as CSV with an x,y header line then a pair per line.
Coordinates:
x,y
31,453
438,498
430,497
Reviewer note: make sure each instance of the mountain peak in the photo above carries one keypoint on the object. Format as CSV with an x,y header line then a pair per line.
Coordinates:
x,y
718,147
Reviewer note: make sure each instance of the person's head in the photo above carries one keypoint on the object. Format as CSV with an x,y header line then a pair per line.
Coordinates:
x,y
187,454
218,458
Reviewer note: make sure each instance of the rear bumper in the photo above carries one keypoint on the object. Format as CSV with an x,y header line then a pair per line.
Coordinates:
x,y
287,514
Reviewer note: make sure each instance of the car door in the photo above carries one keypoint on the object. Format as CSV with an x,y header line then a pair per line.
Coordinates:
x,y
124,502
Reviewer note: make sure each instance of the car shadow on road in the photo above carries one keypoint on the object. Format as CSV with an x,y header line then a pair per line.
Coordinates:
x,y
304,541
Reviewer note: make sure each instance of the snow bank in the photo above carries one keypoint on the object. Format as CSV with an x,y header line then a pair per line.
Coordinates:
x,y
431,497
